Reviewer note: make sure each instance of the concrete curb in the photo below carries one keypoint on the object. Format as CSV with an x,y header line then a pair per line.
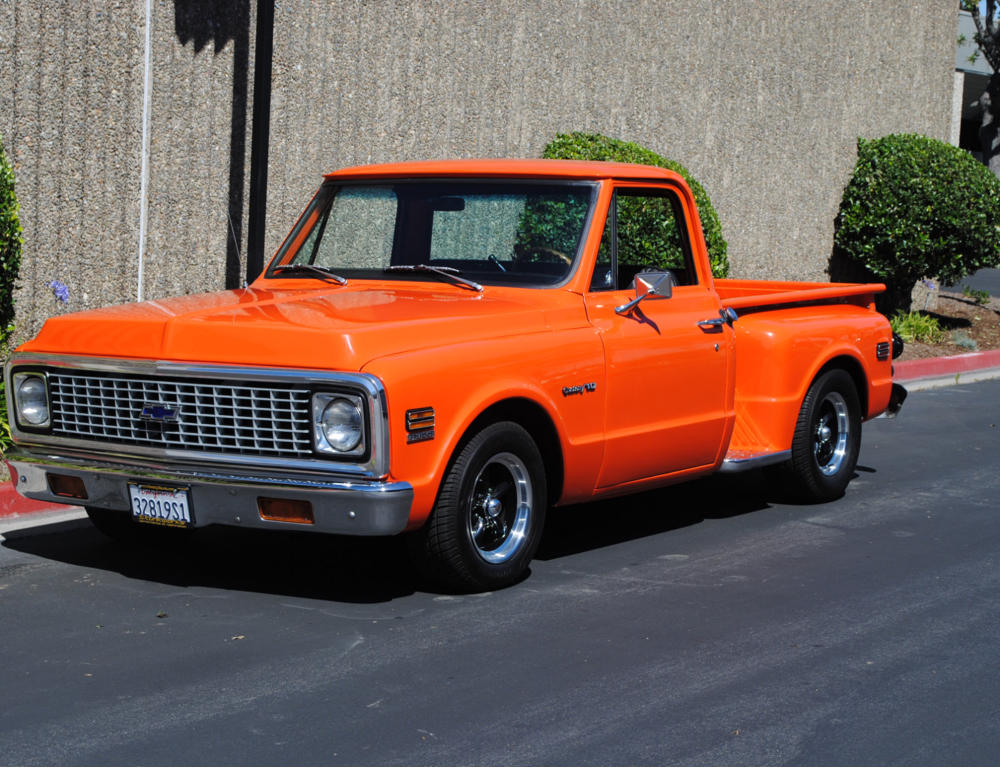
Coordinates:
x,y
933,372
915,375
50,515
909,370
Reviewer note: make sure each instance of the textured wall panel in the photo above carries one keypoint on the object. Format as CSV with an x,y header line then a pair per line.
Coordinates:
x,y
763,102
70,95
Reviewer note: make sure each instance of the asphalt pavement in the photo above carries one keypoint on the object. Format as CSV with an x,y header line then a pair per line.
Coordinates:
x,y
708,623
982,280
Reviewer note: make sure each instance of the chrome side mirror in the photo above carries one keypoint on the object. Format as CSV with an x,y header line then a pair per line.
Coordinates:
x,y
654,285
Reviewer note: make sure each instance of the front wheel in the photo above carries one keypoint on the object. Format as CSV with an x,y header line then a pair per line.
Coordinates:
x,y
489,515
827,439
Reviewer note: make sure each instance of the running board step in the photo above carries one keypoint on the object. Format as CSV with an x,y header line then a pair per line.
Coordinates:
x,y
741,461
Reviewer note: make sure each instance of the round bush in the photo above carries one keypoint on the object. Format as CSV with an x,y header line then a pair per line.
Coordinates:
x,y
594,146
916,208
10,246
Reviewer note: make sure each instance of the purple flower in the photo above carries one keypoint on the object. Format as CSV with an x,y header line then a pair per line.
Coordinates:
x,y
60,290
929,284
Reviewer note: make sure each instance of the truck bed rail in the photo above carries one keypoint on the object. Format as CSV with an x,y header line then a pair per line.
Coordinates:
x,y
743,294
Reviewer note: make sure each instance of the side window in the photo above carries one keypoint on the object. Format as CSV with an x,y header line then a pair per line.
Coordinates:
x,y
645,230
604,272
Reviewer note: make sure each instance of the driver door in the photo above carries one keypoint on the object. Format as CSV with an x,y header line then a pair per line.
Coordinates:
x,y
667,363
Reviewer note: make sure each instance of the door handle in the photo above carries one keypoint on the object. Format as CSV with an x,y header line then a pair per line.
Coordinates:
x,y
713,325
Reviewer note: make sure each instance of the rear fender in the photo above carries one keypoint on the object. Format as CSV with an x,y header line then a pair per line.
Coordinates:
x,y
780,353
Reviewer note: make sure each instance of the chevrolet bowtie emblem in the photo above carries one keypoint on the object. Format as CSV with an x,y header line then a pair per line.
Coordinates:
x,y
159,412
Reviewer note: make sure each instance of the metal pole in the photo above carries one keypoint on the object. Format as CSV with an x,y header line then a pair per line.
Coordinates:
x,y
263,54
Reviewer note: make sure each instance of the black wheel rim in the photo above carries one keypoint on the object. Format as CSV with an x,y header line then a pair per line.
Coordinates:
x,y
831,431
499,508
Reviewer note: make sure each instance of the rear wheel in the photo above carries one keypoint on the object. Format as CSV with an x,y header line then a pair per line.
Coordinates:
x,y
488,519
827,439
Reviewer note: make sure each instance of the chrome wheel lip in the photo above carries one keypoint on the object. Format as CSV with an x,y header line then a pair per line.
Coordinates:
x,y
515,516
831,433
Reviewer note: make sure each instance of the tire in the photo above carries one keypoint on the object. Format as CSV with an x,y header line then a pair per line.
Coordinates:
x,y
488,518
827,439
119,526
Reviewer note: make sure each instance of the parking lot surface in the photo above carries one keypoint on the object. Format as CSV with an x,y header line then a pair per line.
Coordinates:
x,y
709,623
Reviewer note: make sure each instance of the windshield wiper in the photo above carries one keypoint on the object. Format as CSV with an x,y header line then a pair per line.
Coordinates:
x,y
325,272
450,272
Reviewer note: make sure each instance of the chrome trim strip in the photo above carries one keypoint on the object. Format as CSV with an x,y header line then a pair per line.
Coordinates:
x,y
370,386
743,461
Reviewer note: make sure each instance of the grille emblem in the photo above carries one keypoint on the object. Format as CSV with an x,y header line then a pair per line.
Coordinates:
x,y
158,412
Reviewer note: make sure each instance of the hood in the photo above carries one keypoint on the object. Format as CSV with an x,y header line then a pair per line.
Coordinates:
x,y
335,328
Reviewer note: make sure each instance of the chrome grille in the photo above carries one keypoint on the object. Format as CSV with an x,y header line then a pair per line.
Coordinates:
x,y
250,418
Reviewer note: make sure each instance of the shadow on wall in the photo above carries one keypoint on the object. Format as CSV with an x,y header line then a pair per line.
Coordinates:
x,y
218,22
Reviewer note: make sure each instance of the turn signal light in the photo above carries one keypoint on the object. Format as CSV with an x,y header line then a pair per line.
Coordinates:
x,y
67,485
286,510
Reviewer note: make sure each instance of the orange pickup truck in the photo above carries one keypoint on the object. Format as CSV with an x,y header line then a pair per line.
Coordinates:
x,y
445,350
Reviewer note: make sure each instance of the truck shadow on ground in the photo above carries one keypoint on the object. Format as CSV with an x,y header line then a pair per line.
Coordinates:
x,y
370,570
581,527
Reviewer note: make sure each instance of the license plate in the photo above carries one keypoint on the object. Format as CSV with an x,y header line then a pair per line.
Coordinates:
x,y
160,505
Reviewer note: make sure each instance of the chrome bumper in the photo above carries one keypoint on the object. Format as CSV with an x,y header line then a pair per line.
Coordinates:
x,y
223,497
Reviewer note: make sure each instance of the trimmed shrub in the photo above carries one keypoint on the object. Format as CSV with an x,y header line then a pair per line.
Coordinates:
x,y
594,146
915,208
10,246
10,262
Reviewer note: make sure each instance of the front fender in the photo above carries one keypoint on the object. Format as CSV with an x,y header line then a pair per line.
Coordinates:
x,y
462,381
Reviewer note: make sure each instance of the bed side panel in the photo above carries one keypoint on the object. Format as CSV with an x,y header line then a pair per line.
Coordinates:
x,y
780,352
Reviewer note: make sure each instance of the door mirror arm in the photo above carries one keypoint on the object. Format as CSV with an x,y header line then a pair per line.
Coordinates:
x,y
655,285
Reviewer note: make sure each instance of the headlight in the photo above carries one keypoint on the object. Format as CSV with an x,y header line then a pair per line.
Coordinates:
x,y
31,398
339,424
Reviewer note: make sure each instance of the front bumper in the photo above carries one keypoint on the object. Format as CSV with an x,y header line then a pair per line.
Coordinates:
x,y
219,496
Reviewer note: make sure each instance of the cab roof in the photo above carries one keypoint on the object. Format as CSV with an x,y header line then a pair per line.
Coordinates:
x,y
494,168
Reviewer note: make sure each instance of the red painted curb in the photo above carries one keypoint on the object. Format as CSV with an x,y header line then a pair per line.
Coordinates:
x,y
13,504
909,370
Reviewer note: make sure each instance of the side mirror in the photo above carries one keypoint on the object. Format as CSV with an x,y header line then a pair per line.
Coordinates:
x,y
649,285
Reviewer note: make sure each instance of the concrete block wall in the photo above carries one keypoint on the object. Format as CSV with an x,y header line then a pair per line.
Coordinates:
x,y
763,102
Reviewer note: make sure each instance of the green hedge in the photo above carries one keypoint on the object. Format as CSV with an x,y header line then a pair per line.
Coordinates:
x,y
10,262
10,246
916,208
594,146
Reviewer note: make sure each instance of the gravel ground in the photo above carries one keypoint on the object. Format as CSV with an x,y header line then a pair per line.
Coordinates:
x,y
968,326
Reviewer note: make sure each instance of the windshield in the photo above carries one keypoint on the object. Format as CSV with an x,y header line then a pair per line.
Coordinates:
x,y
509,233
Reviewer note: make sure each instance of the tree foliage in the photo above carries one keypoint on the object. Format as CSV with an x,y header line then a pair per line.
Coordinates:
x,y
917,208
987,30
987,37
594,146
10,245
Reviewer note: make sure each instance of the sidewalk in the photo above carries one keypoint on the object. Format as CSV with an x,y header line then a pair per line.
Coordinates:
x,y
915,375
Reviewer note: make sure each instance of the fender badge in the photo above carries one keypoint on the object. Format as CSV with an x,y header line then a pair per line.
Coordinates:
x,y
419,437
579,389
